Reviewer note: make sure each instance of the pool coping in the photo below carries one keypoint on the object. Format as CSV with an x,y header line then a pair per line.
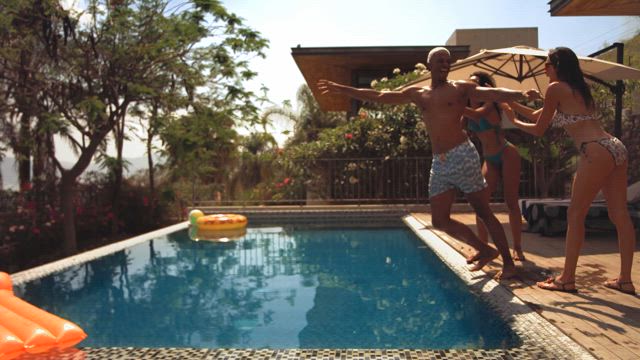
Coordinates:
x,y
540,339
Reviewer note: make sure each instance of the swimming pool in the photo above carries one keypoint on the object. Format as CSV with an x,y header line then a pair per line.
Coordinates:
x,y
539,339
277,287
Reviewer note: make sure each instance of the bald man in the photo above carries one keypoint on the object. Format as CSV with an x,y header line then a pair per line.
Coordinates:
x,y
456,163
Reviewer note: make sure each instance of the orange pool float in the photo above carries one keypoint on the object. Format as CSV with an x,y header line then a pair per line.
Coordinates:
x,y
197,234
217,221
27,328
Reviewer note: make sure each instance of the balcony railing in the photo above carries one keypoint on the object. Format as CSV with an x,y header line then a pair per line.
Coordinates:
x,y
368,181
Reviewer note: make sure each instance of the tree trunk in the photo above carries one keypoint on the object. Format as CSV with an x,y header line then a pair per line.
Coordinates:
x,y
68,187
117,187
117,175
67,197
24,151
152,184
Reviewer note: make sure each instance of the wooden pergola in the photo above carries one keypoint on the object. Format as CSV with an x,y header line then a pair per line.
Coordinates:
x,y
357,66
594,7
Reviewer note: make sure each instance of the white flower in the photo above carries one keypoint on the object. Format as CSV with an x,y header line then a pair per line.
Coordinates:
x,y
420,66
353,180
384,79
396,71
352,166
374,83
423,72
403,140
13,228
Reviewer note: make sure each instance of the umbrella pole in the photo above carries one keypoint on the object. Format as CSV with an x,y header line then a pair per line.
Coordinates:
x,y
618,90
619,93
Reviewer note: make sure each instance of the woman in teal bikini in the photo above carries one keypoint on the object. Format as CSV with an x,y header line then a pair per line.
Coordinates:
x,y
501,160
602,165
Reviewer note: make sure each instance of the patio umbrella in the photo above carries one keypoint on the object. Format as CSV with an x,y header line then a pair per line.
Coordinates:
x,y
522,68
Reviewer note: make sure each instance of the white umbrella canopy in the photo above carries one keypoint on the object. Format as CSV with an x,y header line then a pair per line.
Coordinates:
x,y
522,68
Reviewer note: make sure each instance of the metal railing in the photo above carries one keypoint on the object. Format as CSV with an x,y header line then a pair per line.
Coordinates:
x,y
368,181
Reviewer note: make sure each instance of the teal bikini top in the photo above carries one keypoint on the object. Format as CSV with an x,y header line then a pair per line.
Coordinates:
x,y
481,125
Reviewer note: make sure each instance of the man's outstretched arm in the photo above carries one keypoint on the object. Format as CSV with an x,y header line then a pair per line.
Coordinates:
x,y
500,94
385,97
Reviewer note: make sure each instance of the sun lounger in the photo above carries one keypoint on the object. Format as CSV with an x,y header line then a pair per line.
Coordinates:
x,y
548,216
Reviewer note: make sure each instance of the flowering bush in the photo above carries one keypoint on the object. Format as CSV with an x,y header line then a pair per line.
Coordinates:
x,y
31,223
26,225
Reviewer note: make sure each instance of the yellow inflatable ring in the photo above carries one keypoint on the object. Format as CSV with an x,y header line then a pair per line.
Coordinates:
x,y
221,222
216,235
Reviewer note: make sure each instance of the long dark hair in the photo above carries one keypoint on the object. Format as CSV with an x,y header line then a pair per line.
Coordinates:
x,y
485,80
567,67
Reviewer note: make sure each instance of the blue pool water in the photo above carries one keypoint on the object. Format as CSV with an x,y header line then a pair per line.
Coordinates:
x,y
274,288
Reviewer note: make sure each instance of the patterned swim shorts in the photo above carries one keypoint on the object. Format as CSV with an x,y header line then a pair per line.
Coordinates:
x,y
457,168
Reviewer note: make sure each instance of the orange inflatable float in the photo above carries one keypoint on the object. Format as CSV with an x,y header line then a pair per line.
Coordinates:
x,y
217,222
27,328
216,235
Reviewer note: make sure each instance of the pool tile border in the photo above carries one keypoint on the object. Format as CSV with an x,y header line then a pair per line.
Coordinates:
x,y
537,334
540,339
46,269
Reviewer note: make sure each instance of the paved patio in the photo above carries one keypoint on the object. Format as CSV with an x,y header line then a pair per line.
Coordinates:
x,y
604,321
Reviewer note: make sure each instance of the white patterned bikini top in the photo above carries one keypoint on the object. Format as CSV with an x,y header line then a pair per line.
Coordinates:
x,y
561,119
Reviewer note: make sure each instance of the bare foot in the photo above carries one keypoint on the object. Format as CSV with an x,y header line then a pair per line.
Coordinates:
x,y
506,273
484,259
518,255
473,258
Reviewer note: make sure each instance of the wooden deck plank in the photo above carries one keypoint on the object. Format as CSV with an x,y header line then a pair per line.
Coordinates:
x,y
604,321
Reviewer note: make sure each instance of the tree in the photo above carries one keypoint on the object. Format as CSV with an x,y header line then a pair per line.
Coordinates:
x,y
257,156
309,120
201,146
114,58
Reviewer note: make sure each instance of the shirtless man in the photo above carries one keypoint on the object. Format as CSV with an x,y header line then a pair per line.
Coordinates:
x,y
456,163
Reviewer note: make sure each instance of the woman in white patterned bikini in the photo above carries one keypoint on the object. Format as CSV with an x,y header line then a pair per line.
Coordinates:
x,y
602,165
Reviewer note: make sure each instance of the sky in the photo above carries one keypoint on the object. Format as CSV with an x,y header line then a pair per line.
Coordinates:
x,y
335,23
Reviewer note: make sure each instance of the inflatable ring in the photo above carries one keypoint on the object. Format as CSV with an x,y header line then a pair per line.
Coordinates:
x,y
217,221
216,235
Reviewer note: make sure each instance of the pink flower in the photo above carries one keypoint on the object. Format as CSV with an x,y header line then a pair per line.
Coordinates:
x,y
35,231
348,136
145,201
25,186
286,181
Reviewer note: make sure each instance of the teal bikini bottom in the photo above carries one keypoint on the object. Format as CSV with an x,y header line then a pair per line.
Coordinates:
x,y
496,159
